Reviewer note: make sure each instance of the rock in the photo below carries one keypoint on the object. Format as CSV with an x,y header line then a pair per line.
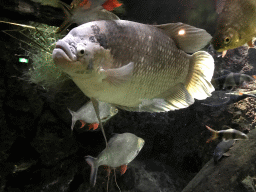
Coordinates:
x,y
249,184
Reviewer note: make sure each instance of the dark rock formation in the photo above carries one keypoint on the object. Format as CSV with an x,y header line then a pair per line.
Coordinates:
x,y
230,173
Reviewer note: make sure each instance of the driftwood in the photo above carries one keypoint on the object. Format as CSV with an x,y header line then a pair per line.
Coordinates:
x,y
231,173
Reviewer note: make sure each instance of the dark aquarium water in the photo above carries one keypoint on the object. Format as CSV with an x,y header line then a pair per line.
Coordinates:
x,y
125,95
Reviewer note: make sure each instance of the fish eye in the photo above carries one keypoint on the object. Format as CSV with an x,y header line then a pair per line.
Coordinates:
x,y
80,50
227,40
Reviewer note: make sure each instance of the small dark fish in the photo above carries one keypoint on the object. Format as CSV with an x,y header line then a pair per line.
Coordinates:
x,y
231,80
221,149
122,149
226,134
236,24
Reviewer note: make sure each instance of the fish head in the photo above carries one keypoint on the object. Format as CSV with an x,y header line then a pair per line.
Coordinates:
x,y
226,39
113,111
217,154
75,54
244,136
140,144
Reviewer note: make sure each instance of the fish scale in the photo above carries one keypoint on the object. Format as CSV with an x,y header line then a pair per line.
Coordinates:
x,y
147,83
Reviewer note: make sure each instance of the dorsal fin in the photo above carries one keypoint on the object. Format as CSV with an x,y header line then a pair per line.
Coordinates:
x,y
188,38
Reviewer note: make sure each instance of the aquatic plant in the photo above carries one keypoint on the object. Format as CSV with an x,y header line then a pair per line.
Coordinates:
x,y
38,41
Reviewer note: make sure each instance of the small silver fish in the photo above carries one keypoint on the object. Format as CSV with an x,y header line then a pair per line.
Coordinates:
x,y
82,11
226,134
221,149
122,149
86,114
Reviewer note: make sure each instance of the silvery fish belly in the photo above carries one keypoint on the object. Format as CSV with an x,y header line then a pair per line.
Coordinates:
x,y
136,66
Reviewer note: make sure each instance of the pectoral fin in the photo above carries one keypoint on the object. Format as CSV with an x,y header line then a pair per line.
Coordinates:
x,y
120,75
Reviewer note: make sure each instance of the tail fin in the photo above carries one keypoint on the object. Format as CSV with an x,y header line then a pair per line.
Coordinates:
x,y
214,134
73,118
93,176
201,70
110,5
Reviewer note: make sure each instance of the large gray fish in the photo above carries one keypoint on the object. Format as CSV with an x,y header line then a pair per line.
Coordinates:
x,y
138,67
236,24
122,149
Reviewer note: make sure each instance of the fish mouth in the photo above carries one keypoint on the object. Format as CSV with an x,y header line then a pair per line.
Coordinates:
x,y
217,45
62,54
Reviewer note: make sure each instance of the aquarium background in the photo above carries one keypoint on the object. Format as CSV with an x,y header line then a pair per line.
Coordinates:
x,y
40,153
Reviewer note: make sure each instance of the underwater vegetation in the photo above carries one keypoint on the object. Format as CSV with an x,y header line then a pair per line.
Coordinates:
x,y
43,71
40,40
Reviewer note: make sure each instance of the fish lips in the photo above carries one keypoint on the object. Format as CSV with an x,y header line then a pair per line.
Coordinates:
x,y
62,54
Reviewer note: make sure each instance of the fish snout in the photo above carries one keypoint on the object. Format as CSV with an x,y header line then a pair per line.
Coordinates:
x,y
63,54
244,136
217,44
